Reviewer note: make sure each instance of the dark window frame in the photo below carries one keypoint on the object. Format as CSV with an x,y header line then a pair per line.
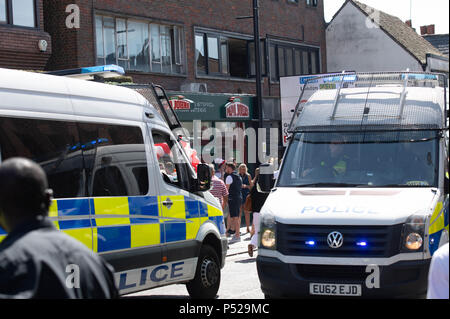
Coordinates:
x,y
275,78
264,58
220,38
224,36
205,53
10,20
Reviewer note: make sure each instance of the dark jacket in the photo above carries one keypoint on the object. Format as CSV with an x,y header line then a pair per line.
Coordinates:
x,y
38,261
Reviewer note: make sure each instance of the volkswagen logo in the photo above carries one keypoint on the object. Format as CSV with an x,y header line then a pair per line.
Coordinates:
x,y
335,239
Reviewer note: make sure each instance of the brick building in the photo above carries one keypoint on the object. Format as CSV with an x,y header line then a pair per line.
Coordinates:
x,y
177,42
23,42
195,48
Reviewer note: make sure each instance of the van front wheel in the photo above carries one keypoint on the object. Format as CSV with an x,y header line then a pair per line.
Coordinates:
x,y
207,275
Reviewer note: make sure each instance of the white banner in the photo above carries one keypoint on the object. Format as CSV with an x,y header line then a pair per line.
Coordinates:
x,y
291,89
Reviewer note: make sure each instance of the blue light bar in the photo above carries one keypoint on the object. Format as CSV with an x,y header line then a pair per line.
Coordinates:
x,y
310,243
103,68
414,76
103,71
340,78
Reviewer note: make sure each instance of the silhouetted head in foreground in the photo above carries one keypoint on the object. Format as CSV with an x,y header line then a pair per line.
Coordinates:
x,y
24,193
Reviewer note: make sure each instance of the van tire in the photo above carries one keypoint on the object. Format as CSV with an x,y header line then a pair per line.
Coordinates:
x,y
207,275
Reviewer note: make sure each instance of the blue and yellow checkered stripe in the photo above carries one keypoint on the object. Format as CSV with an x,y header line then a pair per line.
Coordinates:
x,y
2,234
438,222
115,223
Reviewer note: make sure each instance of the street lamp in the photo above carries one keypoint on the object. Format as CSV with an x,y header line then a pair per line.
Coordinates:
x,y
255,18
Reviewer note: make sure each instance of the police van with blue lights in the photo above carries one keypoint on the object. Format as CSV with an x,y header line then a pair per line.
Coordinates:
x,y
148,213
361,200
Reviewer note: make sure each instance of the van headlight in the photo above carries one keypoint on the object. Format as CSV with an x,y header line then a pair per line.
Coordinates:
x,y
268,239
268,231
413,234
413,241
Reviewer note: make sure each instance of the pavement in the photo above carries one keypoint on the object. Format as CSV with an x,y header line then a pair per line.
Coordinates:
x,y
240,247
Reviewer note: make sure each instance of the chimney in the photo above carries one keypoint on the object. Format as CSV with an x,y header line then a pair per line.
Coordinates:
x,y
427,29
423,30
409,23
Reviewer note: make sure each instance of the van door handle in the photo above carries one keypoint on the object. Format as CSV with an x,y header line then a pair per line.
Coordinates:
x,y
168,203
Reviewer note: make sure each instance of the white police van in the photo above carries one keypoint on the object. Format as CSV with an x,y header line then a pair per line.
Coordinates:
x,y
361,201
98,145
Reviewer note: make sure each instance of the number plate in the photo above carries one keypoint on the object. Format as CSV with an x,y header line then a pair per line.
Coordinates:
x,y
334,290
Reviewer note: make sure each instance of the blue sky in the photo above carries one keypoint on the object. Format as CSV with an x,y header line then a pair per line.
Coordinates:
x,y
423,12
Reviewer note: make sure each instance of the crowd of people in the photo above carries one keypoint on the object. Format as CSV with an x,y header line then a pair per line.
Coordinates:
x,y
239,194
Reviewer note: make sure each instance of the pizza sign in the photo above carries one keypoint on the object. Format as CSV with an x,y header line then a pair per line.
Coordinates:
x,y
236,109
179,102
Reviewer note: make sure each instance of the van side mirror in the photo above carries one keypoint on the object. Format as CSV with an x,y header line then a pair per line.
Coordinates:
x,y
266,178
203,177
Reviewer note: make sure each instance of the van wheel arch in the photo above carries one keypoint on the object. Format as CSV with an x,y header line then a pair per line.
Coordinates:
x,y
214,242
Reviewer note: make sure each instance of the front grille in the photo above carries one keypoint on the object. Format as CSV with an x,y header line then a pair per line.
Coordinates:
x,y
325,272
382,241
335,273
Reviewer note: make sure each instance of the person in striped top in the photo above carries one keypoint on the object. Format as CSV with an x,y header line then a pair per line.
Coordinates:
x,y
218,188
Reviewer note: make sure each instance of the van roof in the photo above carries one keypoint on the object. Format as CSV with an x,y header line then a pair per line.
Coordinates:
x,y
63,95
392,102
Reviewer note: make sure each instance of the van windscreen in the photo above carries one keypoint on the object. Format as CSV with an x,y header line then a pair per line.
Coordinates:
x,y
370,159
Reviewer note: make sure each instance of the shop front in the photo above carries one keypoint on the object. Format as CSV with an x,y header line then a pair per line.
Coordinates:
x,y
210,119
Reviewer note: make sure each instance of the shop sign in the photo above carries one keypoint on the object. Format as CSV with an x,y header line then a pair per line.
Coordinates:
x,y
179,102
236,109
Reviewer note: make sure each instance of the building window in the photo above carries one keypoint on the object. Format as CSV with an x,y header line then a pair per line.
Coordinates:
x,y
200,58
218,55
238,58
286,60
221,55
140,46
3,11
311,3
18,12
122,43
109,41
213,54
